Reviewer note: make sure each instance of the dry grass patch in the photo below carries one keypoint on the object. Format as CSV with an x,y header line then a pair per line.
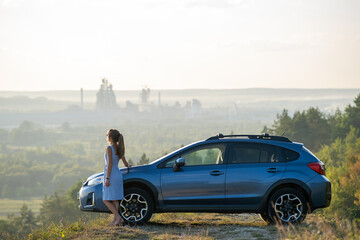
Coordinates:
x,y
204,219
317,227
204,226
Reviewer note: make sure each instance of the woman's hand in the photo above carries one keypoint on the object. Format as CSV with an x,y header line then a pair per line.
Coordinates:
x,y
107,182
128,166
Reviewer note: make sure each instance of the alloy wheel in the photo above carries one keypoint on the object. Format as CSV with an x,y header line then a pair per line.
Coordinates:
x,y
288,207
133,207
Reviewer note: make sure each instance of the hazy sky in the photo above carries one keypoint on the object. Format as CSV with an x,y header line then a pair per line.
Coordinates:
x,y
166,44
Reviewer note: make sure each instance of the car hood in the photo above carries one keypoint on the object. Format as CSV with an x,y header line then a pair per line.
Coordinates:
x,y
122,170
95,176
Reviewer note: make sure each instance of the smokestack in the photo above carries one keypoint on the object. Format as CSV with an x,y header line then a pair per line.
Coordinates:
x,y
82,98
159,99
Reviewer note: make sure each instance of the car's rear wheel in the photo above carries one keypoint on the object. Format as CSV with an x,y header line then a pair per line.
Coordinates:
x,y
287,206
137,206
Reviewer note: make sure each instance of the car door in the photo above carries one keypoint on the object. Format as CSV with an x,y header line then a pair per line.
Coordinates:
x,y
252,169
201,181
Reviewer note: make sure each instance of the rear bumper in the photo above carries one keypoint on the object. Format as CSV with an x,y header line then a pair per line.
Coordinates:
x,y
321,192
328,194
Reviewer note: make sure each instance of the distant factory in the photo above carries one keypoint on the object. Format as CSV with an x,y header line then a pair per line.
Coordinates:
x,y
105,97
106,100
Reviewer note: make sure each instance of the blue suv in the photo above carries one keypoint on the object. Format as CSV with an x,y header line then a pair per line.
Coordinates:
x,y
270,175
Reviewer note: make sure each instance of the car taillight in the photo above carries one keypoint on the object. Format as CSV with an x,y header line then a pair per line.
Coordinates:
x,y
317,167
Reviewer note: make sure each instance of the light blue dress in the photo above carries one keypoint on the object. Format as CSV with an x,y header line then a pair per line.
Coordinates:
x,y
116,189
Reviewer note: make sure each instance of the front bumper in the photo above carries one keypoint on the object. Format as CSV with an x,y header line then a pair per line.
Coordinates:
x,y
90,199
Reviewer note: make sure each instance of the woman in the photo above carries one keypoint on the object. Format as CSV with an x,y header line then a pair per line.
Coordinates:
x,y
113,189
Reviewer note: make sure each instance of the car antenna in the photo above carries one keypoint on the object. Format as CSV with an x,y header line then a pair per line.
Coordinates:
x,y
283,133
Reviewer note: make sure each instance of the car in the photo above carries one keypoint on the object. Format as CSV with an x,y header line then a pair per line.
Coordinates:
x,y
270,175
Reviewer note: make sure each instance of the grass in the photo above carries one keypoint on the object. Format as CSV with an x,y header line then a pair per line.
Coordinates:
x,y
317,227
12,206
202,226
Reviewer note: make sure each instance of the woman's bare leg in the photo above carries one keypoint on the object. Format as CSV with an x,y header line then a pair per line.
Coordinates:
x,y
112,208
117,205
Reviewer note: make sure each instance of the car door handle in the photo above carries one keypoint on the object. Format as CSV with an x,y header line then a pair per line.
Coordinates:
x,y
272,170
216,173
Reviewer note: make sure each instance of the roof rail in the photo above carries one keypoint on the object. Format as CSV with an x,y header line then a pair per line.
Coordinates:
x,y
264,136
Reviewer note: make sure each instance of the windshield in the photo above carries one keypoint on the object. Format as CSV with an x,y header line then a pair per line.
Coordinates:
x,y
169,154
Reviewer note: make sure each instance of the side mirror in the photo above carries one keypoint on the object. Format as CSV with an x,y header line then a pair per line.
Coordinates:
x,y
180,162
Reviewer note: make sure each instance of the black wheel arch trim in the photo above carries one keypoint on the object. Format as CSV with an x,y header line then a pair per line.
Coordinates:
x,y
134,182
284,183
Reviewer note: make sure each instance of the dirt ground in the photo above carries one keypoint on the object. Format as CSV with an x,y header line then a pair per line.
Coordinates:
x,y
189,226
226,226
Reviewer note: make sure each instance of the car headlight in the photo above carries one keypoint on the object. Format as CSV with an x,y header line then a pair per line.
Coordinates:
x,y
95,181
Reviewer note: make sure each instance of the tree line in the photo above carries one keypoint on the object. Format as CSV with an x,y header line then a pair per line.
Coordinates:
x,y
314,128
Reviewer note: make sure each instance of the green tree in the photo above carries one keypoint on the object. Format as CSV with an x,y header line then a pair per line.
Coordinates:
x,y
310,127
72,194
131,162
24,223
342,161
268,130
353,113
7,230
57,209
283,124
339,126
143,160
63,207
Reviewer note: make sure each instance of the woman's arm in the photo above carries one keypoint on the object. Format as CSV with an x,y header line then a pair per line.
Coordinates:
x,y
109,167
125,162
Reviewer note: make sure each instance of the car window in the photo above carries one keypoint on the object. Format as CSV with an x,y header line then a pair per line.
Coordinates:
x,y
170,163
290,155
246,154
203,155
254,153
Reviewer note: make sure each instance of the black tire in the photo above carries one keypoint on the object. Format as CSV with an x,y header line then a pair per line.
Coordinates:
x,y
287,206
265,216
137,206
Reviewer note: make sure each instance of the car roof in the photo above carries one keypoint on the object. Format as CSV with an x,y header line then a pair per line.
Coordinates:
x,y
291,145
264,136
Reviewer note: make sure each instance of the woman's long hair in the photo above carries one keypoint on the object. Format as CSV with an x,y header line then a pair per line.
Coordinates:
x,y
118,139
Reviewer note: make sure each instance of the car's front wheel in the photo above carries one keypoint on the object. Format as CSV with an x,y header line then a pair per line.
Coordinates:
x,y
137,206
287,206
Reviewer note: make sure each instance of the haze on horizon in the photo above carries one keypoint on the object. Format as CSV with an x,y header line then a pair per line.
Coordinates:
x,y
171,44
